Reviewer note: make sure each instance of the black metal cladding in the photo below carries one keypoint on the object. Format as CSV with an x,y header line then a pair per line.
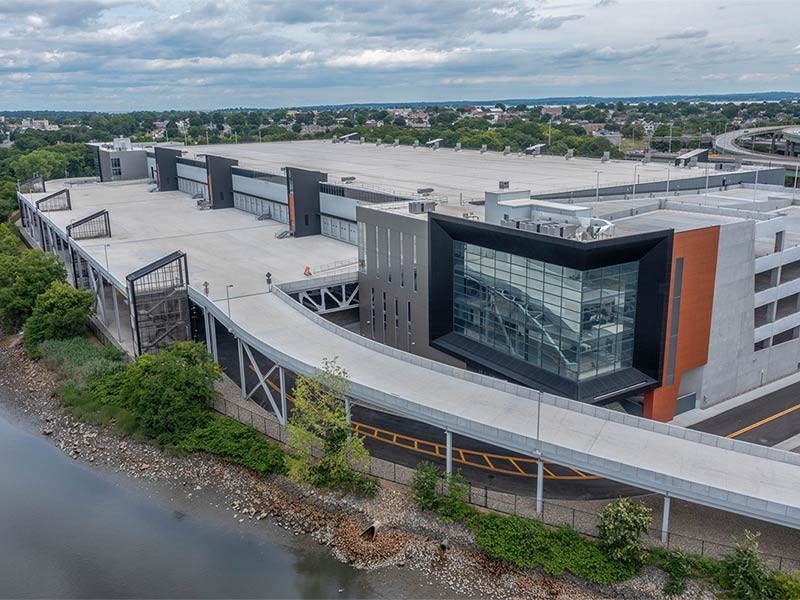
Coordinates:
x,y
57,201
220,180
305,191
361,194
96,225
652,251
167,168
159,299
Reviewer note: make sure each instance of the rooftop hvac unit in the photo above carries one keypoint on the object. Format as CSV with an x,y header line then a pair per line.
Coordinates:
x,y
379,141
396,142
569,230
416,144
606,157
506,150
458,147
512,223
483,148
530,226
418,207
504,185
570,153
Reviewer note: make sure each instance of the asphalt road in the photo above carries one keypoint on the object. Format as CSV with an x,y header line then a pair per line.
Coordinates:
x,y
766,421
561,483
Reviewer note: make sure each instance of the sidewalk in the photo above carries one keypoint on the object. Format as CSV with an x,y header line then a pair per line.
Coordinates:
x,y
696,415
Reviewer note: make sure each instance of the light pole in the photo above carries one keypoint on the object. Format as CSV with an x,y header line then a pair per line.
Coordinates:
x,y
667,192
755,186
228,297
706,178
597,188
635,168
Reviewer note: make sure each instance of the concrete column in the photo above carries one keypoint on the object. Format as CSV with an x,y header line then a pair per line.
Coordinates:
x,y
213,326
665,521
448,436
241,368
772,310
539,485
116,313
282,378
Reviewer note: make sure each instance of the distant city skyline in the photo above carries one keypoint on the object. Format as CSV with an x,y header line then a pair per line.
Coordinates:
x,y
153,54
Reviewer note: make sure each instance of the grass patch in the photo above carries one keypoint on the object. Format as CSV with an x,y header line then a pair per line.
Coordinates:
x,y
528,543
237,443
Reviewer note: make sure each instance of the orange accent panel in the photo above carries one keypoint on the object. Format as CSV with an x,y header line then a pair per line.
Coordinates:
x,y
698,248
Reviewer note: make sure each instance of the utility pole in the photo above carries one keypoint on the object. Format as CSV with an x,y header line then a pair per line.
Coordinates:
x,y
670,138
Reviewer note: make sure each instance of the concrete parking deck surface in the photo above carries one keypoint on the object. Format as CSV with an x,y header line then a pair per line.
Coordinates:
x,y
449,173
150,225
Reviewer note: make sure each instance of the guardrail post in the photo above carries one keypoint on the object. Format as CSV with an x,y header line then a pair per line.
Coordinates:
x,y
348,413
665,521
539,485
241,368
448,436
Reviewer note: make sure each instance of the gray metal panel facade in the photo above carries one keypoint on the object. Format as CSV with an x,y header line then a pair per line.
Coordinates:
x,y
383,276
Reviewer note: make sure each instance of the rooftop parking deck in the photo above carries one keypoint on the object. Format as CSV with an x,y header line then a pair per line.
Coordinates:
x,y
466,174
225,246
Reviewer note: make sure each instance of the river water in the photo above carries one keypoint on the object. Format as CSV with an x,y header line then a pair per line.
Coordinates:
x,y
70,531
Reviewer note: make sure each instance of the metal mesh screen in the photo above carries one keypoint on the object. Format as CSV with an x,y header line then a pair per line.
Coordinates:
x,y
96,225
32,185
58,201
159,302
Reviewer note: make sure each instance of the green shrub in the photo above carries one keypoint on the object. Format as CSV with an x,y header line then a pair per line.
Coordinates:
x,y
528,543
22,279
622,524
60,312
237,443
788,585
424,485
454,502
744,574
169,392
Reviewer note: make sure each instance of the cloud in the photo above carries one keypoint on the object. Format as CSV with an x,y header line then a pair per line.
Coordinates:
x,y
119,54
690,33
554,22
405,57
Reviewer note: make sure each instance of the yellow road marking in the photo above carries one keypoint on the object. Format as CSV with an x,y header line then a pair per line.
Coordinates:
x,y
763,421
459,456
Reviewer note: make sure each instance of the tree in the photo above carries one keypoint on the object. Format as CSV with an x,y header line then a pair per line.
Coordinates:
x,y
8,199
42,162
9,239
325,451
744,572
622,524
22,279
60,312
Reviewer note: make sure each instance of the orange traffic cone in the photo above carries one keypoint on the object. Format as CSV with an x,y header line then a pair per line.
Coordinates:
x,y
307,271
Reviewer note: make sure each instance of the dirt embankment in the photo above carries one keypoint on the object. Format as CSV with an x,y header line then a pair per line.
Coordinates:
x,y
405,537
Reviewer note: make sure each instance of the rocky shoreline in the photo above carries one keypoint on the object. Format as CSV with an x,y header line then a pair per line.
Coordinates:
x,y
405,537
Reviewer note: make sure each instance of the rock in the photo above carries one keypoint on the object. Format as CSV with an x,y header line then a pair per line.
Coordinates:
x,y
47,432
444,545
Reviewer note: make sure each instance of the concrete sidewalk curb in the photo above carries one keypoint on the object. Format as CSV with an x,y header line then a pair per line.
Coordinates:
x,y
697,415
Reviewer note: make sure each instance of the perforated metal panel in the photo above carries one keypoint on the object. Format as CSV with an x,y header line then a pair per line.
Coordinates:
x,y
159,303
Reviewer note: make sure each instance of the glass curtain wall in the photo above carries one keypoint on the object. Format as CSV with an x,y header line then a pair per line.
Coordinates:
x,y
577,324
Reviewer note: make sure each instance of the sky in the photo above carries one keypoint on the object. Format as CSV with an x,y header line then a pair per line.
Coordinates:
x,y
116,55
